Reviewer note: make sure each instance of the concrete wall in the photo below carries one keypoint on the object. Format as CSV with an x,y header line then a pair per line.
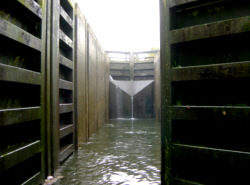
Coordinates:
x,y
97,64
157,88
54,82
81,77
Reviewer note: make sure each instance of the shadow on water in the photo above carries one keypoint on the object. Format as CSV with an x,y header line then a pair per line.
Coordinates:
x,y
124,151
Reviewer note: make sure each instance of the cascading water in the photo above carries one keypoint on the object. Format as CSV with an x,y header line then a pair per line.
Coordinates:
x,y
132,107
131,88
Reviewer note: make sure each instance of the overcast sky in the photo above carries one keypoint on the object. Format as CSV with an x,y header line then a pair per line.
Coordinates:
x,y
123,25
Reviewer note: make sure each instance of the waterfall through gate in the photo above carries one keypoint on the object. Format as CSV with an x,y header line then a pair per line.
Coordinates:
x,y
132,107
129,88
132,75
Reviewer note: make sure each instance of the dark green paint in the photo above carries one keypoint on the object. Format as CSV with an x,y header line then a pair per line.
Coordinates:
x,y
205,69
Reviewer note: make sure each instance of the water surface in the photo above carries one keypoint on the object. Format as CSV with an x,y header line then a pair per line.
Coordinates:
x,y
122,152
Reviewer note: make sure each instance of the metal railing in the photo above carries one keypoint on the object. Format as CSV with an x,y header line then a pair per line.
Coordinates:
x,y
132,65
142,56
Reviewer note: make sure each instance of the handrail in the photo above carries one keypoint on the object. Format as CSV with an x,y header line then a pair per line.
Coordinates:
x,y
137,52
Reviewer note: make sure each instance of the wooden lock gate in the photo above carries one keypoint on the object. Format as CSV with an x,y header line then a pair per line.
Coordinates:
x,y
205,73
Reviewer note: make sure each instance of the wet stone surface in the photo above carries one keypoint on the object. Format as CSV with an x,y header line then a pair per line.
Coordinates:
x,y
122,152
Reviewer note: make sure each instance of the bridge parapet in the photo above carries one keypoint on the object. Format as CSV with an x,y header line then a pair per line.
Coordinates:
x,y
132,65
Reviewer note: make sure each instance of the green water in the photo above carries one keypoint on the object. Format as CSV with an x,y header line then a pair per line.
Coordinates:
x,y
122,152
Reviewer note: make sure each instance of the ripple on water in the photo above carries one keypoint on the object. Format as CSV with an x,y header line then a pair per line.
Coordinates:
x,y
122,152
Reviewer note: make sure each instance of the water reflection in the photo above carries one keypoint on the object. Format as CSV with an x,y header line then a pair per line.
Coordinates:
x,y
122,152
